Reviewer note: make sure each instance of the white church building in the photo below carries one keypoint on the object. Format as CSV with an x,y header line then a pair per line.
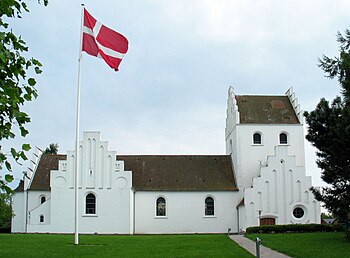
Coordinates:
x,y
261,180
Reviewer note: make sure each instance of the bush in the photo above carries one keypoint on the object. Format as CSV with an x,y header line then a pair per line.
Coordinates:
x,y
347,230
293,228
5,230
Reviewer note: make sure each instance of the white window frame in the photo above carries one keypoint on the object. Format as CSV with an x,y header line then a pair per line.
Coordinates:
x,y
156,208
279,138
215,209
90,214
261,138
40,197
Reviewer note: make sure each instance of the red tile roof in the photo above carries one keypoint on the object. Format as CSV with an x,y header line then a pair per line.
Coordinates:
x,y
266,110
47,162
181,172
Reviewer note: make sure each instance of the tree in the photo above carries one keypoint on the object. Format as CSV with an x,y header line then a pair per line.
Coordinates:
x,y
329,132
6,212
326,216
15,88
52,149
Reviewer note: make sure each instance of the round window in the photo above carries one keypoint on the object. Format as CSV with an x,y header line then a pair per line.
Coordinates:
x,y
298,212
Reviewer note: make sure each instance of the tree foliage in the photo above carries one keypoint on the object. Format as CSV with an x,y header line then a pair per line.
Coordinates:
x,y
15,88
52,149
329,132
6,212
326,216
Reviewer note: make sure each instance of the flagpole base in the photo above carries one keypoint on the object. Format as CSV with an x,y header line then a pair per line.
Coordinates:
x,y
76,239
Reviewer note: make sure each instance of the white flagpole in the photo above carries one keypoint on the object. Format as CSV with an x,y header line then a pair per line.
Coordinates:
x,y
76,208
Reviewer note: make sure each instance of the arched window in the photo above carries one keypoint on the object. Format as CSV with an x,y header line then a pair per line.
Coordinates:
x,y
209,206
283,138
161,207
257,138
42,199
42,219
90,204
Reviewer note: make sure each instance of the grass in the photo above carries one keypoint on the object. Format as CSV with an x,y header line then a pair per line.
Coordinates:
x,y
46,245
327,244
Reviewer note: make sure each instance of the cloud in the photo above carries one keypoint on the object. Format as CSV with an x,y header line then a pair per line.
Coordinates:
x,y
170,94
255,22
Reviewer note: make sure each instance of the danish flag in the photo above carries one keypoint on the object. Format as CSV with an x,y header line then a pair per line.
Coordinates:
x,y
103,42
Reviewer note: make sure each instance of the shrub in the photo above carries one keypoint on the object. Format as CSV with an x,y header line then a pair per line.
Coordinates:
x,y
295,228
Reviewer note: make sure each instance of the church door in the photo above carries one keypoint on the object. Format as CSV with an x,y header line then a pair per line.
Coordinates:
x,y
267,221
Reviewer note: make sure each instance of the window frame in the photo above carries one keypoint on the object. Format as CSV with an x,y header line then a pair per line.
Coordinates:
x,y
298,217
41,199
41,219
286,139
206,208
87,212
157,209
259,142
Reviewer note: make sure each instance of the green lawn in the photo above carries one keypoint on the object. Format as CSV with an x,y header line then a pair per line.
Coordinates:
x,y
304,245
45,245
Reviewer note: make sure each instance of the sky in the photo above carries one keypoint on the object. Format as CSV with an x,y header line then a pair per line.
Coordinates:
x,y
170,94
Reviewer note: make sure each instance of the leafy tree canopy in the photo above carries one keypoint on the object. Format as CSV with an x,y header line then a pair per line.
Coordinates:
x,y
326,216
6,212
15,88
52,149
329,132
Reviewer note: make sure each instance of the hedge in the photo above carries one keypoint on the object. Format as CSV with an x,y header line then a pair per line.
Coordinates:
x,y
294,228
5,230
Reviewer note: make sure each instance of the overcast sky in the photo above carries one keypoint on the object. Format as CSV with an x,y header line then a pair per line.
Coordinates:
x,y
169,96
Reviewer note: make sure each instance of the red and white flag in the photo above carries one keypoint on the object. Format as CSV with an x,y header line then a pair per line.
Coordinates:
x,y
102,42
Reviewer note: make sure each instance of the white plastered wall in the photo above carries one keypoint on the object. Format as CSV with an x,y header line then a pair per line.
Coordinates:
x,y
185,212
37,209
248,157
18,206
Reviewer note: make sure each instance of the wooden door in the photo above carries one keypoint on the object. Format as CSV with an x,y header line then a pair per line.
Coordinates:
x,y
267,221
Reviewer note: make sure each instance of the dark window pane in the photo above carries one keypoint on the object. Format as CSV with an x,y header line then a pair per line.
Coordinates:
x,y
41,218
161,207
209,206
90,204
283,138
298,212
42,199
257,138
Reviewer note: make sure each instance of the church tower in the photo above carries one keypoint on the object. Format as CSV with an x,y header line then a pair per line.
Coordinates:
x,y
255,124
265,138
